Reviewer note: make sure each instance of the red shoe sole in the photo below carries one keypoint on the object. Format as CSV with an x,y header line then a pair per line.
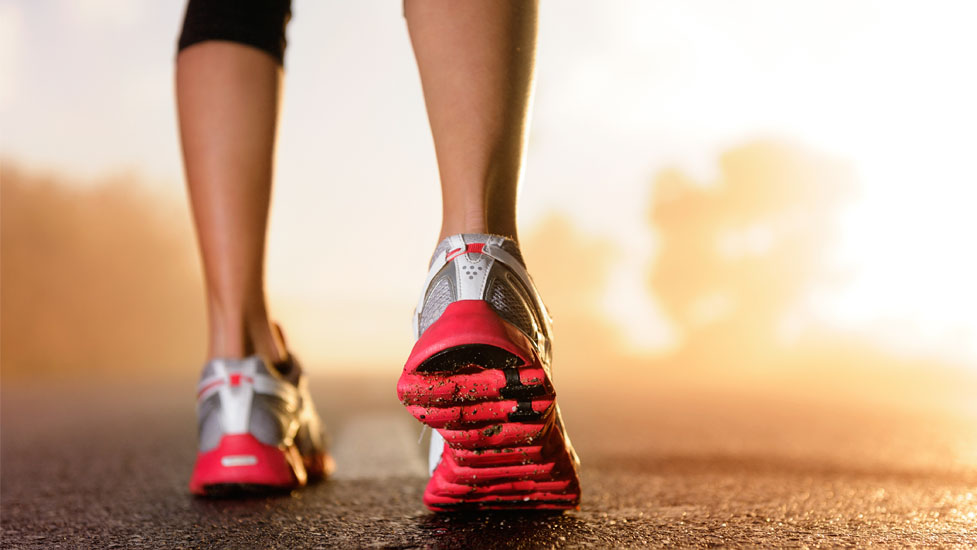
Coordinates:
x,y
242,464
477,380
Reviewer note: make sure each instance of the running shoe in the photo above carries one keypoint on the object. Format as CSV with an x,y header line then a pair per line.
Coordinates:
x,y
259,430
479,373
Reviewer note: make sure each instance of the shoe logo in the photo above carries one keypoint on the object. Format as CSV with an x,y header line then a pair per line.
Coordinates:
x,y
231,461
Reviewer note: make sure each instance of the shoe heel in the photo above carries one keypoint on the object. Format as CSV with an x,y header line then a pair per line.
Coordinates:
x,y
468,355
242,463
478,380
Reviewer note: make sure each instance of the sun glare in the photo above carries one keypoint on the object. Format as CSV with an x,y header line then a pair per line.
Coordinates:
x,y
910,267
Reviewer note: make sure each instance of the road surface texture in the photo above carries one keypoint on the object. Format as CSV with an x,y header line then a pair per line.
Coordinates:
x,y
666,463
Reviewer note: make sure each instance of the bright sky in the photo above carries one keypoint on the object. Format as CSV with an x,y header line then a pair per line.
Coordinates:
x,y
625,89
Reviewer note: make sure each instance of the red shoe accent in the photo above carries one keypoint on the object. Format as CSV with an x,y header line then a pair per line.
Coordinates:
x,y
504,456
478,386
472,248
466,323
241,459
478,380
466,415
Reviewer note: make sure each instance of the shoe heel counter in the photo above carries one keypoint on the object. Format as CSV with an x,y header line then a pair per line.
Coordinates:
x,y
236,397
489,269
231,382
471,275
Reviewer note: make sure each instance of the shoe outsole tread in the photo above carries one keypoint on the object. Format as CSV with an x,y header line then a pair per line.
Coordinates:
x,y
505,448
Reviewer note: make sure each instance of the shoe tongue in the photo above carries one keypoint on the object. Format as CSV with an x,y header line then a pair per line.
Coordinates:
x,y
508,245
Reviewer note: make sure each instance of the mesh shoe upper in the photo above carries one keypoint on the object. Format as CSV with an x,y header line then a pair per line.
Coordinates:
x,y
247,396
475,266
496,274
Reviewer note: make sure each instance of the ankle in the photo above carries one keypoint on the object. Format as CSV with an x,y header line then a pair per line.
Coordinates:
x,y
477,223
238,334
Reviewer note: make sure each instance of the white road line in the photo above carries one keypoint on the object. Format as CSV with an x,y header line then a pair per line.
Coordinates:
x,y
376,446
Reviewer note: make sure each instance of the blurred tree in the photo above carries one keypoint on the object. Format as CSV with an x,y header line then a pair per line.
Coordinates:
x,y
95,279
571,269
738,255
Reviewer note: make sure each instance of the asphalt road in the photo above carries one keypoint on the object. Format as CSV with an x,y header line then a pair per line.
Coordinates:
x,y
665,464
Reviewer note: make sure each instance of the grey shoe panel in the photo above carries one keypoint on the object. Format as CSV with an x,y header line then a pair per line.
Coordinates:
x,y
441,293
272,421
502,289
507,300
209,370
442,247
512,248
209,427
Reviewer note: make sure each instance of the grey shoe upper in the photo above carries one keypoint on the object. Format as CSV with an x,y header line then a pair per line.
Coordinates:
x,y
497,275
237,396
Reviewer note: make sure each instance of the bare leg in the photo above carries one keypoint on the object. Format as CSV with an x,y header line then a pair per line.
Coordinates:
x,y
227,97
476,59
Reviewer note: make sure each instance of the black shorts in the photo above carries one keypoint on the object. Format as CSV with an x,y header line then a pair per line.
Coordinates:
x,y
257,23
